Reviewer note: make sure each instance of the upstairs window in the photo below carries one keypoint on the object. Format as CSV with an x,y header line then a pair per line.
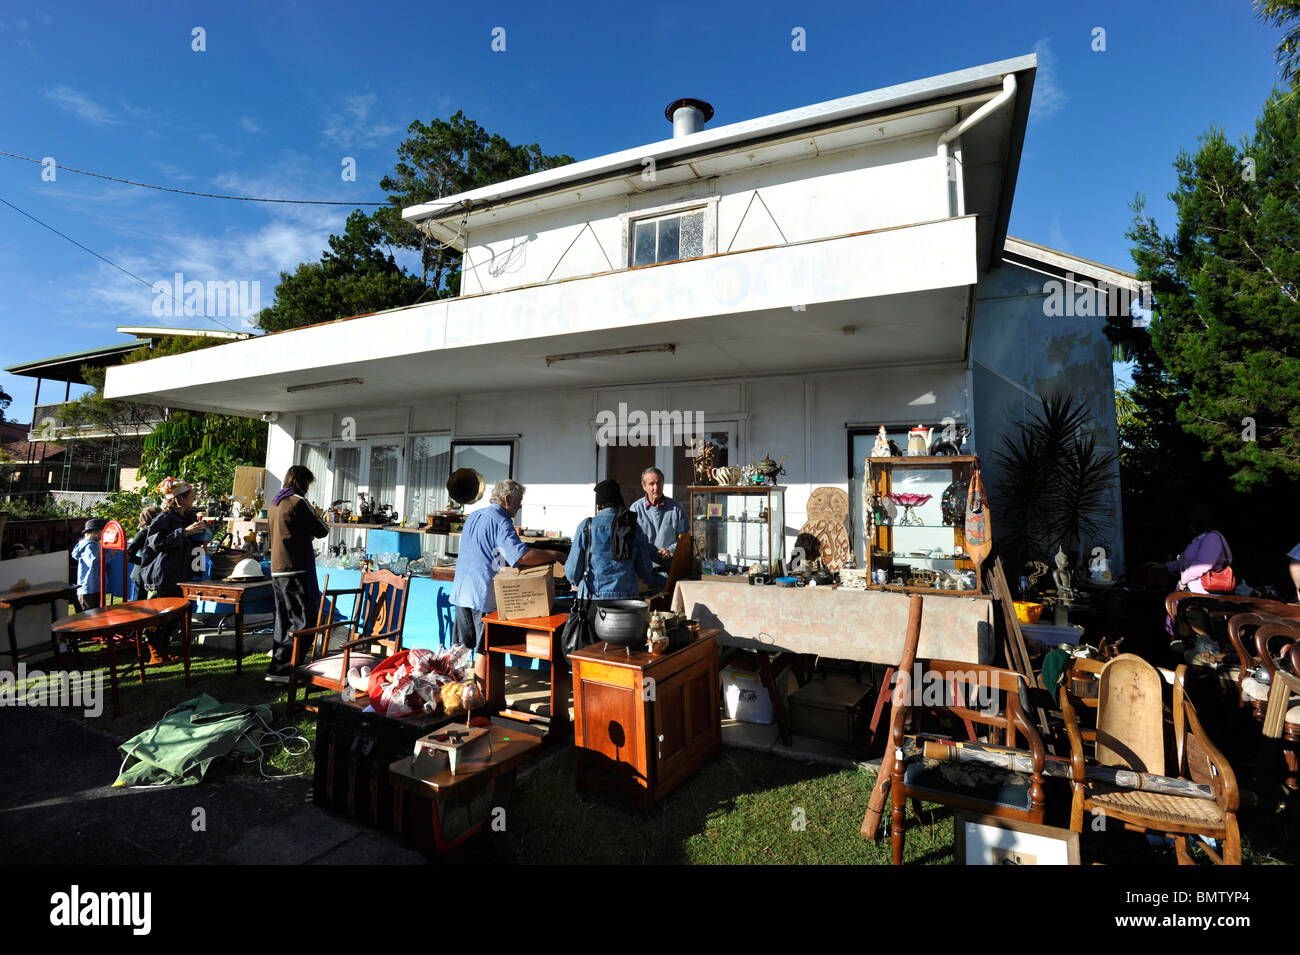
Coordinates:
x,y
666,238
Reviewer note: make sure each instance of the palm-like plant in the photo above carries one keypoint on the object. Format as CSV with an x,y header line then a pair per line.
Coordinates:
x,y
1054,482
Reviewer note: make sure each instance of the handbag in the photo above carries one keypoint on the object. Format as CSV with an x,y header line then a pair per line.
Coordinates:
x,y
577,631
1223,580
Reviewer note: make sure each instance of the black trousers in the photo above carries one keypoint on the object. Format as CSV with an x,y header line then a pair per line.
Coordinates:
x,y
291,613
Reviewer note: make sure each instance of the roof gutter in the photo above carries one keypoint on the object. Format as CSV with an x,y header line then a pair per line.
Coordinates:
x,y
988,109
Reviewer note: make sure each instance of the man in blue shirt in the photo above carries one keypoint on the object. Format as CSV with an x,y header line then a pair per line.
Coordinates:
x,y
660,518
488,543
607,578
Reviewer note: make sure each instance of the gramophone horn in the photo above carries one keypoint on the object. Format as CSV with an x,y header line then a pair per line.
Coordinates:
x,y
465,486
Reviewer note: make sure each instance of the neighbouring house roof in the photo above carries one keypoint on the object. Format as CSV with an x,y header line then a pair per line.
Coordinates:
x,y
1022,251
23,451
68,367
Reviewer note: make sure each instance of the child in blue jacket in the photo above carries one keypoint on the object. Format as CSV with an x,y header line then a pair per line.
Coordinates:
x,y
86,554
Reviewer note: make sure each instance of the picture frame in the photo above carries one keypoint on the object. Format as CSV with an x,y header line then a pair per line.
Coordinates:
x,y
992,840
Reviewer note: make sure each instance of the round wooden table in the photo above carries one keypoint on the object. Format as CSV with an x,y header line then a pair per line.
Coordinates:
x,y
126,619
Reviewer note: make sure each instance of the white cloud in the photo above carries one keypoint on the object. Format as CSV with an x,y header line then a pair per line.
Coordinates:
x,y
1054,234
250,124
82,106
1049,98
354,127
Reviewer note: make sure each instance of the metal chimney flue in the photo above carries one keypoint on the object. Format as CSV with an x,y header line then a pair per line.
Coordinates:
x,y
688,115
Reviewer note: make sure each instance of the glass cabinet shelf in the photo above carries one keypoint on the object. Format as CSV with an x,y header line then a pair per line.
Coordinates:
x,y
738,530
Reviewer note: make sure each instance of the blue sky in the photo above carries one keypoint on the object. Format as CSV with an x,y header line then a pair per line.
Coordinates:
x,y
284,92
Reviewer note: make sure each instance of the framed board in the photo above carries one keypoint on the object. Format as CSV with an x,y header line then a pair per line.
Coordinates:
x,y
991,840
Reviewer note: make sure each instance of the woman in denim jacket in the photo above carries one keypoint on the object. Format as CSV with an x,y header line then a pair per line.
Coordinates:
x,y
607,578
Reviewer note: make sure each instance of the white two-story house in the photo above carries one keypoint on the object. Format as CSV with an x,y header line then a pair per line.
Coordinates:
x,y
790,283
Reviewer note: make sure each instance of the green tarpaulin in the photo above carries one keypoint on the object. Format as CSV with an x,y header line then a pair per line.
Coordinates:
x,y
177,750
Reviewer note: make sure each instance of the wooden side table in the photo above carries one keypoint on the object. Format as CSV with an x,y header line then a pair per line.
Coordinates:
x,y
512,636
15,600
643,724
459,805
129,619
228,592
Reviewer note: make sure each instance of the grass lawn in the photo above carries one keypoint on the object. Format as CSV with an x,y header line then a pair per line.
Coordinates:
x,y
744,807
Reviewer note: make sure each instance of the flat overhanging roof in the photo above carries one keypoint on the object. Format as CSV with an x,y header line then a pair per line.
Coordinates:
x,y
762,311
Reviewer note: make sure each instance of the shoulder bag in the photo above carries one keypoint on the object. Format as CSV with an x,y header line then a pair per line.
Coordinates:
x,y
577,632
1223,580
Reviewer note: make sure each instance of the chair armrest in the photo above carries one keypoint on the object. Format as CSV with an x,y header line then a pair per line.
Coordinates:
x,y
1036,748
1077,761
1226,780
296,635
361,641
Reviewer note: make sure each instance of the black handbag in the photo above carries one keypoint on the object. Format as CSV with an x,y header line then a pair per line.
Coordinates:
x,y
577,632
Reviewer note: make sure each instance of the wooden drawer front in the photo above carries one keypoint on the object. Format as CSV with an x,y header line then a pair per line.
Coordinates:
x,y
612,738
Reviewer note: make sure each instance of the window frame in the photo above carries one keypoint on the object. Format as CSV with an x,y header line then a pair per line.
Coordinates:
x,y
709,241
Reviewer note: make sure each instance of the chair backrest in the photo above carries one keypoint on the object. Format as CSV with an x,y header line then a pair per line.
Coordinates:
x,y
384,597
1283,632
683,560
975,693
1130,715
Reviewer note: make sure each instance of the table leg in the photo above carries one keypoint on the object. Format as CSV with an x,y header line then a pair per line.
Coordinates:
x,y
185,633
140,642
560,684
239,637
496,673
54,640
112,676
778,704
13,636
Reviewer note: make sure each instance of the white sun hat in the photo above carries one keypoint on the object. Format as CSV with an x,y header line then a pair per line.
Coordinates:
x,y
247,569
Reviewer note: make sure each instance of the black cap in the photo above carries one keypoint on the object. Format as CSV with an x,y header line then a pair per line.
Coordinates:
x,y
608,492
96,524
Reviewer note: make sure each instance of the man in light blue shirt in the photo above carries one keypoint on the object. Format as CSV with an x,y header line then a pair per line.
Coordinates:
x,y
488,543
660,518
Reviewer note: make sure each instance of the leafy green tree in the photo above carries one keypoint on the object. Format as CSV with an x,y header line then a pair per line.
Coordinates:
x,y
356,276
5,402
444,158
1284,14
1224,350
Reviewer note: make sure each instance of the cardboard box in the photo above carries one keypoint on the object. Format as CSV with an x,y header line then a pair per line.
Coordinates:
x,y
524,593
830,707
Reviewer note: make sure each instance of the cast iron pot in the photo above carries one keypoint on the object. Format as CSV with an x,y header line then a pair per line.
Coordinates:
x,y
620,623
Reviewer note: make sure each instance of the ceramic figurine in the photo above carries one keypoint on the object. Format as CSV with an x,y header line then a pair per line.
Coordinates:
x,y
881,448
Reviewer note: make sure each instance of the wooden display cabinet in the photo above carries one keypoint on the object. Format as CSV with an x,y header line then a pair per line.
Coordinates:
x,y
643,724
919,540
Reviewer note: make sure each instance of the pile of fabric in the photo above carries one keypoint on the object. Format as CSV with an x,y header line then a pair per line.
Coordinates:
x,y
422,681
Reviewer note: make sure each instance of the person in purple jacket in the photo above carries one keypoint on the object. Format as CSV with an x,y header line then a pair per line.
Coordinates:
x,y
1207,551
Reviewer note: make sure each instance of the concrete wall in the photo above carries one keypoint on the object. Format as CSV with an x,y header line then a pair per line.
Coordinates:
x,y
854,190
1018,353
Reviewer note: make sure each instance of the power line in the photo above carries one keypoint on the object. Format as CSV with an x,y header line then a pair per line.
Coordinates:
x,y
113,264
207,195
190,192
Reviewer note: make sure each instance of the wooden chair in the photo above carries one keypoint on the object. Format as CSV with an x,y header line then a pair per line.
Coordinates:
x,y
1288,634
1139,710
678,569
988,790
373,632
1243,629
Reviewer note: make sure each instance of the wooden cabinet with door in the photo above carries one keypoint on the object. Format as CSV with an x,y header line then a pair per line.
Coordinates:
x,y
643,724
